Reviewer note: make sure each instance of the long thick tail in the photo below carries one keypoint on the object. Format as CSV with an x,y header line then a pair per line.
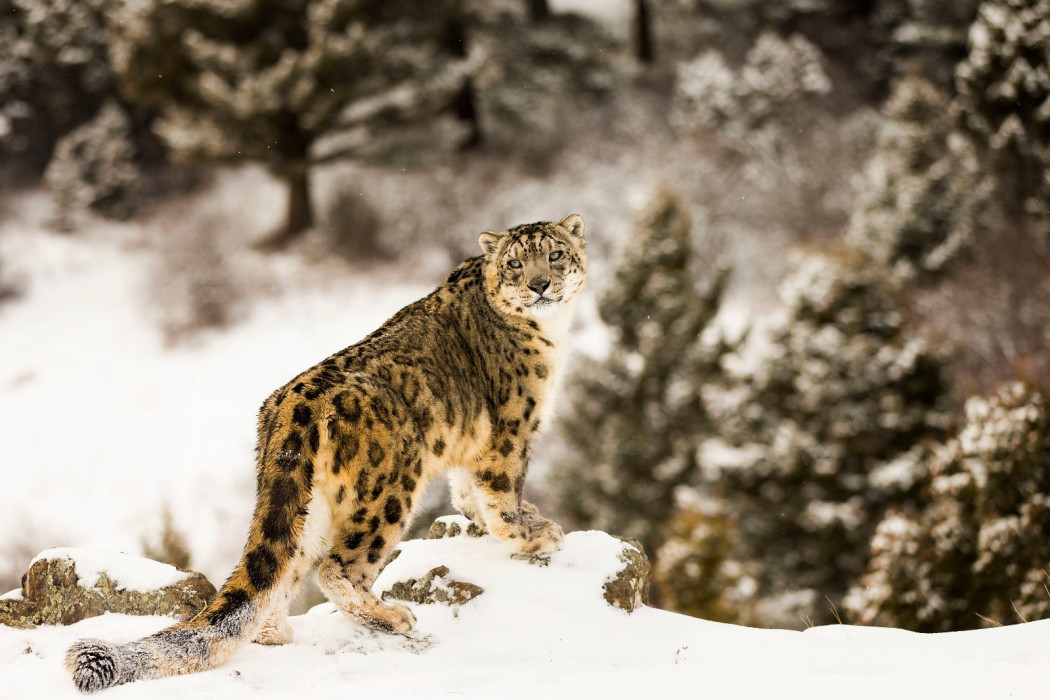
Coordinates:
x,y
203,642
260,584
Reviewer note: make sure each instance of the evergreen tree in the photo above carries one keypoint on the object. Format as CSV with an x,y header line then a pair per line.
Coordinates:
x,y
824,422
290,84
979,550
54,74
94,167
694,571
636,414
1004,97
927,37
534,69
762,96
923,194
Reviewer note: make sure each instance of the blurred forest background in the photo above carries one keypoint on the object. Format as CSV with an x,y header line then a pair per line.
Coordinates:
x,y
812,375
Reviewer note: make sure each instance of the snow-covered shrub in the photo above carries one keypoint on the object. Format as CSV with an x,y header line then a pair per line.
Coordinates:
x,y
94,167
923,193
1004,95
694,572
979,551
636,414
776,76
825,418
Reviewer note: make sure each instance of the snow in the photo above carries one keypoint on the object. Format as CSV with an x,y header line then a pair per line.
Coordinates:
x,y
545,630
103,424
125,571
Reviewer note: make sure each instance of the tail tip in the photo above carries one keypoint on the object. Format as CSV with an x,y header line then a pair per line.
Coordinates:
x,y
93,664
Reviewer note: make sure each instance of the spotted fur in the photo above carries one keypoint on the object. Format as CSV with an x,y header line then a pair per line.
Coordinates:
x,y
457,382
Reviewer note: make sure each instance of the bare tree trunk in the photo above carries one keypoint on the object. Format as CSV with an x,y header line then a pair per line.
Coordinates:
x,y
644,44
464,104
299,214
539,10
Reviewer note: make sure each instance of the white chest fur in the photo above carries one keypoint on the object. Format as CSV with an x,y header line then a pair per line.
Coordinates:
x,y
555,328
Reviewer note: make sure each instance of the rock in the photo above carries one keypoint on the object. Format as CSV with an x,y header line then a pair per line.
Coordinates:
x,y
629,588
433,588
55,593
593,565
450,526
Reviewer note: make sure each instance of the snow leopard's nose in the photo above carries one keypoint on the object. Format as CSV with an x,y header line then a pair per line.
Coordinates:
x,y
539,284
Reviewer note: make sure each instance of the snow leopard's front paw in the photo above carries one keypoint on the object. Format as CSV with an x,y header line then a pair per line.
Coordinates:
x,y
542,536
398,618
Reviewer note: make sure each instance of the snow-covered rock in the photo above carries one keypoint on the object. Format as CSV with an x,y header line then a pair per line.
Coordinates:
x,y
63,586
446,567
542,628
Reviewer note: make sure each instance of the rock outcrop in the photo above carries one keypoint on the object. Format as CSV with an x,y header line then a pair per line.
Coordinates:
x,y
433,588
629,588
452,567
453,564
64,586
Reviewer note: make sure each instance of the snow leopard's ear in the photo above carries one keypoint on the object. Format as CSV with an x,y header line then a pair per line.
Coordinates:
x,y
489,242
573,224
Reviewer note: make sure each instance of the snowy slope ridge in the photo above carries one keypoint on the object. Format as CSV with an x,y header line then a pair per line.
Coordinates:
x,y
546,630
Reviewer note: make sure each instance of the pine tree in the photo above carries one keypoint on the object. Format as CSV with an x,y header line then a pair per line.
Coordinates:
x,y
290,84
924,194
926,36
534,69
762,96
978,552
1004,96
694,571
824,421
54,73
636,414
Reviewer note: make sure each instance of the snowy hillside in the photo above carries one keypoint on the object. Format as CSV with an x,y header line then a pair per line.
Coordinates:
x,y
547,631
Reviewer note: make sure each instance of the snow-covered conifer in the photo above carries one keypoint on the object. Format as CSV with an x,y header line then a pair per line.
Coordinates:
x,y
980,547
694,570
636,414
533,69
1004,96
94,167
776,76
923,193
825,418
291,85
54,72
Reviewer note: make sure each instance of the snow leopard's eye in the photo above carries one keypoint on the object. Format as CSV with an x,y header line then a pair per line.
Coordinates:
x,y
555,255
514,264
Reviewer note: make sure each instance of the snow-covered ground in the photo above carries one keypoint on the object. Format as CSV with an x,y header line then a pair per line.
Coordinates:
x,y
102,423
546,631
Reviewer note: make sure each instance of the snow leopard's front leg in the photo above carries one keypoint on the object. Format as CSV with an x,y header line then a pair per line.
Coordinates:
x,y
497,499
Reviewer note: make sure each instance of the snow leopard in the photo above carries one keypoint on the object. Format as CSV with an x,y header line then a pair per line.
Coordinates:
x,y
458,383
